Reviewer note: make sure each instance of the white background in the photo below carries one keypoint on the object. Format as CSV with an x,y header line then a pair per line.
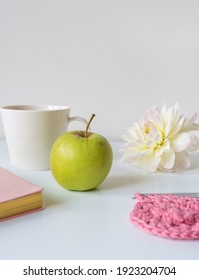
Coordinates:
x,y
115,58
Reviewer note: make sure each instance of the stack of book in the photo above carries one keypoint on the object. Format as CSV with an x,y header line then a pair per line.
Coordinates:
x,y
18,196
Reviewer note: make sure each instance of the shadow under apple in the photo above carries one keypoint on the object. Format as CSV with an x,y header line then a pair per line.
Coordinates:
x,y
116,182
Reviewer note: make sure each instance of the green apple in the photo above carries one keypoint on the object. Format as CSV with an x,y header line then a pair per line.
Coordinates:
x,y
81,160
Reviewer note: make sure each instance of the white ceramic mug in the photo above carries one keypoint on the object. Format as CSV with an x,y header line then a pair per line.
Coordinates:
x,y
31,130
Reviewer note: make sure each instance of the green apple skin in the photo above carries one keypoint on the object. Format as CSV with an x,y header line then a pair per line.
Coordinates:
x,y
80,163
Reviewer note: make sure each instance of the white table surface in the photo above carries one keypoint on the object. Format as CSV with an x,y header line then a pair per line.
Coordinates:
x,y
95,224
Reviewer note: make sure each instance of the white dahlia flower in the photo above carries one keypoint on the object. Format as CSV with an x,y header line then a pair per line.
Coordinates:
x,y
162,140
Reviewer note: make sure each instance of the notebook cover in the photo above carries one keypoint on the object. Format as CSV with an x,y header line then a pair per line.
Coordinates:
x,y
12,186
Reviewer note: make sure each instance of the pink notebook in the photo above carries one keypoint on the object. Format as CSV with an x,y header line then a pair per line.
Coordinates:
x,y
17,196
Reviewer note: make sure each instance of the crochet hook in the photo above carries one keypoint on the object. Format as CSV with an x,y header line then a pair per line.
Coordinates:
x,y
191,194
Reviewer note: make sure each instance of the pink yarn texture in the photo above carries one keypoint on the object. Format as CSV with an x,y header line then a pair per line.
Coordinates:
x,y
168,216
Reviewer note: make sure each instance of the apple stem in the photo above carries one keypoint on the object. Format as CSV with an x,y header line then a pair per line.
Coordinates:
x,y
87,127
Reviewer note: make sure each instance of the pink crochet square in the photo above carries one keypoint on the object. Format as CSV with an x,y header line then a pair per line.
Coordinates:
x,y
168,216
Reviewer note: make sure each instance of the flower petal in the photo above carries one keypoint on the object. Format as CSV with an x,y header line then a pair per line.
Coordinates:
x,y
174,126
189,124
194,143
149,163
182,161
131,154
181,142
167,160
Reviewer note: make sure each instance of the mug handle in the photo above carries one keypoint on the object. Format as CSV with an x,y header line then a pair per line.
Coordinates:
x,y
79,119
